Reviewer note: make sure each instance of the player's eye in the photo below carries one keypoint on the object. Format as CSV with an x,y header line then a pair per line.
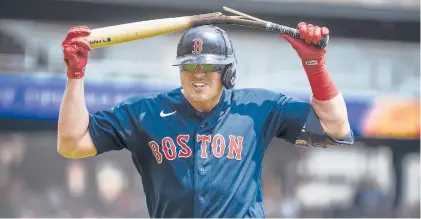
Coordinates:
x,y
205,67
189,67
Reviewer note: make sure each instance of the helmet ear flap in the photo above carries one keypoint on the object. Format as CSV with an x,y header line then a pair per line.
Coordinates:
x,y
228,76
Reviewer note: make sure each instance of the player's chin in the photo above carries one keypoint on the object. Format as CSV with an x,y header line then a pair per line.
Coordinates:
x,y
200,93
200,97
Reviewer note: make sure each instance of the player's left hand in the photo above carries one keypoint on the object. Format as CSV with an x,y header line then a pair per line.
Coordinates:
x,y
313,60
305,47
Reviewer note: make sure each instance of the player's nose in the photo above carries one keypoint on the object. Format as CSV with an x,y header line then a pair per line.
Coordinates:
x,y
199,73
198,70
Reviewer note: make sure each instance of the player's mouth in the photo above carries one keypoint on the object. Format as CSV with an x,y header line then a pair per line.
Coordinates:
x,y
199,85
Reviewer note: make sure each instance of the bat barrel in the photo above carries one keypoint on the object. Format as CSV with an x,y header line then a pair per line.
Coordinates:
x,y
123,33
111,35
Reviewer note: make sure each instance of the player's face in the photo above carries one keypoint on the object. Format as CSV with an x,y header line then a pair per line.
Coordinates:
x,y
201,82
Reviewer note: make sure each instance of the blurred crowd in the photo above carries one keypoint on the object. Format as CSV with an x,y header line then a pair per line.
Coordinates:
x,y
35,181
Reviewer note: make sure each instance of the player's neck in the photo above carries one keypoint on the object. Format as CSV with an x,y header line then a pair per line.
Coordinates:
x,y
205,106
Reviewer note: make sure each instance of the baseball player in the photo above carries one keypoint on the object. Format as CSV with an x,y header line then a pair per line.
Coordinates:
x,y
199,148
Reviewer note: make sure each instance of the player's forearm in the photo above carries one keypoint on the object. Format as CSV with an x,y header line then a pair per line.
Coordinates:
x,y
328,102
74,117
333,116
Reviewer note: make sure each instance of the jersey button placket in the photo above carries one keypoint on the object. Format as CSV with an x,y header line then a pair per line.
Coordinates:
x,y
201,172
201,199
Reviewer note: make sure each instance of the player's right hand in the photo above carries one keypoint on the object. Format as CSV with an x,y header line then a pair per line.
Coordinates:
x,y
76,51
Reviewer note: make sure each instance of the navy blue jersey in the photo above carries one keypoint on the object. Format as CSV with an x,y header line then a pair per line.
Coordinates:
x,y
195,164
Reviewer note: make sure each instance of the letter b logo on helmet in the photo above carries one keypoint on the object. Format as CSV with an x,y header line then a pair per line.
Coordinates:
x,y
208,44
197,46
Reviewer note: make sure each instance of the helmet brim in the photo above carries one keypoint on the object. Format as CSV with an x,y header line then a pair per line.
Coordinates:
x,y
204,59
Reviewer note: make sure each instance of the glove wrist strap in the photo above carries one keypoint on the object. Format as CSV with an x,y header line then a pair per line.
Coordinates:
x,y
321,83
74,74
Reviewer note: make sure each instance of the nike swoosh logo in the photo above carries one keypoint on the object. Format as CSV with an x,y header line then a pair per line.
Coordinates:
x,y
162,114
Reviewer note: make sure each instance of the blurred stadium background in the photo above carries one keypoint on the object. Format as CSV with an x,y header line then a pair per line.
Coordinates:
x,y
374,57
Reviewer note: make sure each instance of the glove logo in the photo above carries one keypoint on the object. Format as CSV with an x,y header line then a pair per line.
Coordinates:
x,y
311,62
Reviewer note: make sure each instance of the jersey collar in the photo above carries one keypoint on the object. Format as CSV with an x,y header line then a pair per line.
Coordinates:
x,y
184,106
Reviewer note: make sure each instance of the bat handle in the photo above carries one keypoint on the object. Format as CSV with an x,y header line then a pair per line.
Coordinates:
x,y
294,33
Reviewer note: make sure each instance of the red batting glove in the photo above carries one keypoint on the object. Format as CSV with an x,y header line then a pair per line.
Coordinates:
x,y
313,60
76,51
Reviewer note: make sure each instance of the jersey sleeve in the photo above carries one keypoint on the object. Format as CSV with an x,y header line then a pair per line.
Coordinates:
x,y
110,129
288,117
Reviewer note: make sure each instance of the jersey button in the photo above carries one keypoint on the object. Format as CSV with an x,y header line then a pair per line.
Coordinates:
x,y
202,169
201,199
